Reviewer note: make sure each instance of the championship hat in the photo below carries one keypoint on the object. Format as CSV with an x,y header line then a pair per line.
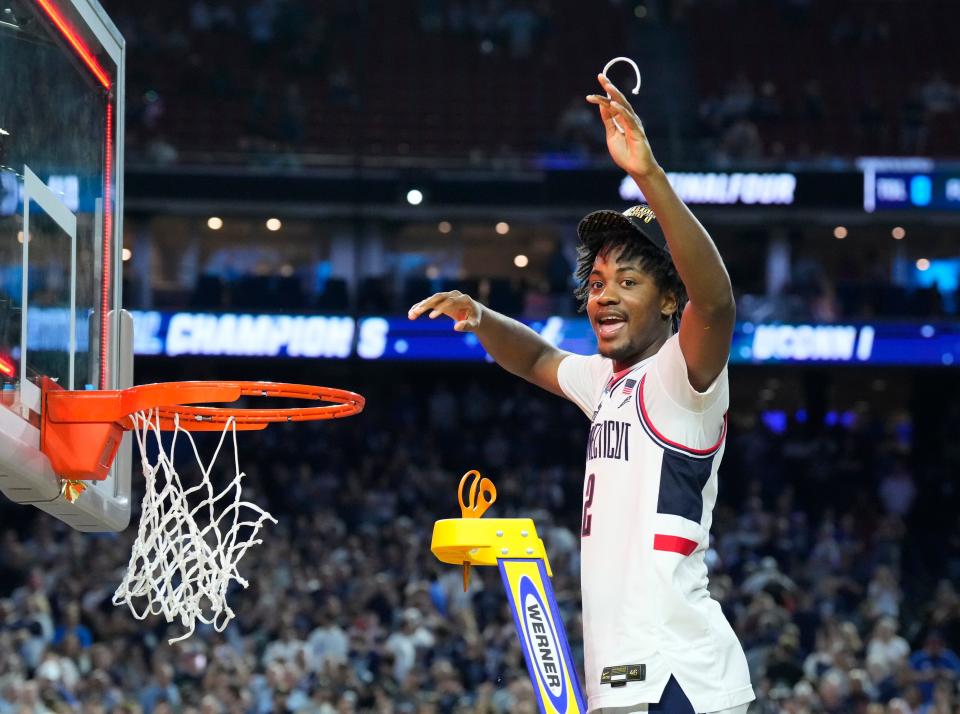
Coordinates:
x,y
637,219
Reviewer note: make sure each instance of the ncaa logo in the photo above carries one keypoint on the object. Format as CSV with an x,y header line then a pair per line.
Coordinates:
x,y
543,644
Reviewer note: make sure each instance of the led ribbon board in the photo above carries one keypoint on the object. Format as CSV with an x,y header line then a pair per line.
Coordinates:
x,y
724,188
175,334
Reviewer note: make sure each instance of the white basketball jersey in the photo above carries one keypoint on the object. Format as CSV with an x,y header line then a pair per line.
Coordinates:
x,y
651,483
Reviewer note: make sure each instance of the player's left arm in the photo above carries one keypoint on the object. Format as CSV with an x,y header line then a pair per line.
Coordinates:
x,y
706,327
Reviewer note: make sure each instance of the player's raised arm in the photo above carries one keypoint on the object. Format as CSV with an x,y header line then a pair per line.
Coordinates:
x,y
706,326
513,345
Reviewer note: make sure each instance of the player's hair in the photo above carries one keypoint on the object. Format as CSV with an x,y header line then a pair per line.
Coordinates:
x,y
628,246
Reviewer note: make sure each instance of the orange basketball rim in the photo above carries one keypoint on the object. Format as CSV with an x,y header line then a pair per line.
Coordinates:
x,y
81,430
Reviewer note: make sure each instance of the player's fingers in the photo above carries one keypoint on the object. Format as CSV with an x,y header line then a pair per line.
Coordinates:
x,y
628,120
451,306
421,307
598,99
418,307
465,310
616,106
616,96
611,89
607,117
627,112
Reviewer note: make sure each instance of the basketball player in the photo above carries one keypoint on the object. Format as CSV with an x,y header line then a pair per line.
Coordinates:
x,y
657,398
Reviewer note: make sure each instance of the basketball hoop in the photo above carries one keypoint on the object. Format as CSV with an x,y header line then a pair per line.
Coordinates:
x,y
190,538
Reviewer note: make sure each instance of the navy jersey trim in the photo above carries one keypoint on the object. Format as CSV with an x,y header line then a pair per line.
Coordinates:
x,y
682,480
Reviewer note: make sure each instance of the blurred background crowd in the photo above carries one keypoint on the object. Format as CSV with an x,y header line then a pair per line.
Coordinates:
x,y
852,288
835,554
501,82
348,157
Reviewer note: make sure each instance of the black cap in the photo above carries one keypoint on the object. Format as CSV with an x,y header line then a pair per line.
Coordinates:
x,y
639,219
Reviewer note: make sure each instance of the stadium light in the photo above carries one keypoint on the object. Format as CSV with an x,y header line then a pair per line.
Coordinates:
x,y
521,261
923,264
126,254
840,232
503,228
414,197
214,223
444,227
898,233
274,224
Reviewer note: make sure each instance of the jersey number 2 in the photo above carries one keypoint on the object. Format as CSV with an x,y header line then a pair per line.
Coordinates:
x,y
587,502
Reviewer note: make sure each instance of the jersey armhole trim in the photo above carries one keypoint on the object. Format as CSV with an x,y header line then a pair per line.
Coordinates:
x,y
666,443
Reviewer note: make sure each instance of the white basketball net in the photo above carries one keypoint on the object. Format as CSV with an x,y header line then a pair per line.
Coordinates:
x,y
186,554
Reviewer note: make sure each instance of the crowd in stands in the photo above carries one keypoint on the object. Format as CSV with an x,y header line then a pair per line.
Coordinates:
x,y
487,81
284,79
824,79
835,554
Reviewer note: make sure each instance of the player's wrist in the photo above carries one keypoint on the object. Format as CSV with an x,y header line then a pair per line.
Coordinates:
x,y
647,172
480,312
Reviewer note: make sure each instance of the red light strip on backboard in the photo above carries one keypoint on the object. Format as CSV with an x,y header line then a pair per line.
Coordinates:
x,y
107,252
85,54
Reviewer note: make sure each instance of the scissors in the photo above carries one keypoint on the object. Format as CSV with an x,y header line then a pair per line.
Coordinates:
x,y
481,493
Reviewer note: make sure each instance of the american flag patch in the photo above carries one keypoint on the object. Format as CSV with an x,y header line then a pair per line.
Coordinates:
x,y
628,387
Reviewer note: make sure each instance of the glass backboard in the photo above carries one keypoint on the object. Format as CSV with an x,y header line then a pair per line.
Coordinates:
x,y
61,188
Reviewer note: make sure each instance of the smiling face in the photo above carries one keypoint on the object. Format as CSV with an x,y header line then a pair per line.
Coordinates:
x,y
628,311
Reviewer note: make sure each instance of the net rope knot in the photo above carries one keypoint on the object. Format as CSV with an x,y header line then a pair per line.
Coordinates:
x,y
186,554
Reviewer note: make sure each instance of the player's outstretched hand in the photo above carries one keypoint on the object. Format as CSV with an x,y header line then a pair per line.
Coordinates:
x,y
630,150
464,310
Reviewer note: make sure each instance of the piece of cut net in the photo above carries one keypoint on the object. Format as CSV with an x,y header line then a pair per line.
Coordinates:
x,y
190,540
